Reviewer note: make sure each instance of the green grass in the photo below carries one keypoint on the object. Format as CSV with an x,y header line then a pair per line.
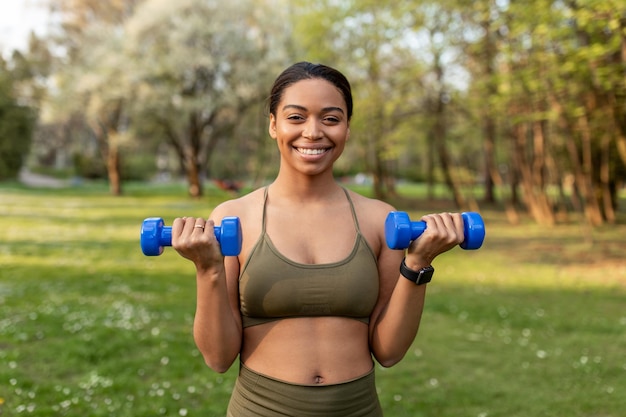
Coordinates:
x,y
531,325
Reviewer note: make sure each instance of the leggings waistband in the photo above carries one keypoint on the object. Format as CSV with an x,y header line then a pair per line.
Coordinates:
x,y
257,395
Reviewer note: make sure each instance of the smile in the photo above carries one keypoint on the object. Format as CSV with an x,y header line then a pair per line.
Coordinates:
x,y
309,151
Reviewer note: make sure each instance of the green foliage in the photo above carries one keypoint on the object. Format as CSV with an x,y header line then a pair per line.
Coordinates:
x,y
530,325
455,76
17,123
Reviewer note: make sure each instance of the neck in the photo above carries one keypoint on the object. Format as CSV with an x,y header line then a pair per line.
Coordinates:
x,y
305,188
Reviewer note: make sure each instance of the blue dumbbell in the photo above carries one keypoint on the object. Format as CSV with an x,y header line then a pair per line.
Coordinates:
x,y
154,236
400,230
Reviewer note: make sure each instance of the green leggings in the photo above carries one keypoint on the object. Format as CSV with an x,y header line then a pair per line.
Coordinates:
x,y
257,395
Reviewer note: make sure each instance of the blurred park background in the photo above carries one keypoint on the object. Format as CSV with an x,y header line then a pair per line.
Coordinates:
x,y
122,110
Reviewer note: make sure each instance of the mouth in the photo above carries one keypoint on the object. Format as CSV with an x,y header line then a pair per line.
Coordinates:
x,y
312,151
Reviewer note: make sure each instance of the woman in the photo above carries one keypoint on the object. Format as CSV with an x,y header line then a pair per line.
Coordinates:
x,y
315,293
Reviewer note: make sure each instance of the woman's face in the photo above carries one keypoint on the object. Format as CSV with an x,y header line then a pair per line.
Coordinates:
x,y
311,126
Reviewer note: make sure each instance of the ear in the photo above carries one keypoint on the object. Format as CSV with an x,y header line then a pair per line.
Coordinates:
x,y
348,133
272,126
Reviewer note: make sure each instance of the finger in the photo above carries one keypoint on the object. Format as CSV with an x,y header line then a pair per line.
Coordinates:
x,y
459,226
177,226
198,226
209,226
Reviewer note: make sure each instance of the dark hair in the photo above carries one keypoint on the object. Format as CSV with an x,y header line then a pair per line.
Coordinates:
x,y
304,71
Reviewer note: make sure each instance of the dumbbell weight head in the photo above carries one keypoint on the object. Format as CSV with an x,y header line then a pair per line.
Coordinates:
x,y
473,229
154,236
229,235
398,233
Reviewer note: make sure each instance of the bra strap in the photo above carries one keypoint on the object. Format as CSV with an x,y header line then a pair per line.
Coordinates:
x,y
264,206
356,220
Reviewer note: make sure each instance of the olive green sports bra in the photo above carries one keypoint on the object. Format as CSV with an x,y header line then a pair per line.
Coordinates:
x,y
272,287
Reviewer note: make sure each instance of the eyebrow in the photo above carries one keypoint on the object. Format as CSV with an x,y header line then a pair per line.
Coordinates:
x,y
325,109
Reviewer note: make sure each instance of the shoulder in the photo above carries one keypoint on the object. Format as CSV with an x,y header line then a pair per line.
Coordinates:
x,y
371,214
242,207
370,208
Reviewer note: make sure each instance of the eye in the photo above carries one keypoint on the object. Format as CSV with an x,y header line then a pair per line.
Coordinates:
x,y
295,117
332,119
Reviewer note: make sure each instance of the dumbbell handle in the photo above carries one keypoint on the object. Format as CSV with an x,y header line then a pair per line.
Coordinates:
x,y
166,235
400,230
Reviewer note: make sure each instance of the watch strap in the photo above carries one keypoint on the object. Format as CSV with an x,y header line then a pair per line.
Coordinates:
x,y
420,277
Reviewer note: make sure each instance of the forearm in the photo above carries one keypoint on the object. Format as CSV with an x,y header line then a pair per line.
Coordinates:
x,y
217,331
396,328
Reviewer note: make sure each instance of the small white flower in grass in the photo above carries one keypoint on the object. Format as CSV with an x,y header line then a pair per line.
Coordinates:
x,y
182,412
433,382
397,397
542,354
165,360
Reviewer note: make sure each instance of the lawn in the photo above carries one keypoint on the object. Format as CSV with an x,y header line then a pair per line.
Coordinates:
x,y
531,325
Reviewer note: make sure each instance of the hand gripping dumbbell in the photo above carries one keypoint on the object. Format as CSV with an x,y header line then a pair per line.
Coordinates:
x,y
154,236
400,230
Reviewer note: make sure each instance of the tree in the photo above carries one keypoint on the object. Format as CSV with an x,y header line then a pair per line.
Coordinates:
x,y
370,41
91,76
197,67
17,123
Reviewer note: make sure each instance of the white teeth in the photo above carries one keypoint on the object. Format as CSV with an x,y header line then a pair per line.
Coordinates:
x,y
307,151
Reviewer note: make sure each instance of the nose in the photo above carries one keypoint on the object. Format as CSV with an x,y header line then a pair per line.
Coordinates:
x,y
313,129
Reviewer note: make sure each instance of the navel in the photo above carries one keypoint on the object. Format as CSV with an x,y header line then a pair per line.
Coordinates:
x,y
318,379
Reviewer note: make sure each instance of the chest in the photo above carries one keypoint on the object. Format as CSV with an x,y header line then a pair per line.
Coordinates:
x,y
273,287
314,235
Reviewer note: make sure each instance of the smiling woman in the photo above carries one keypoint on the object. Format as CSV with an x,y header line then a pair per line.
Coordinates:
x,y
315,292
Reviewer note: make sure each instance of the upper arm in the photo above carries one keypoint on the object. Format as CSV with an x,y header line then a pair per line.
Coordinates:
x,y
388,259
231,263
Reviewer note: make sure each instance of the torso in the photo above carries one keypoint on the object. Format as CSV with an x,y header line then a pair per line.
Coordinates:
x,y
308,350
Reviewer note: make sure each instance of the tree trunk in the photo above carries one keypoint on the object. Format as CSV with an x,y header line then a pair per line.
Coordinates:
x,y
107,136
534,197
489,126
439,137
113,168
585,175
608,207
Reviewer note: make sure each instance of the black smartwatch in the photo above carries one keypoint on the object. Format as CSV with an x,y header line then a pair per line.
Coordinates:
x,y
423,276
